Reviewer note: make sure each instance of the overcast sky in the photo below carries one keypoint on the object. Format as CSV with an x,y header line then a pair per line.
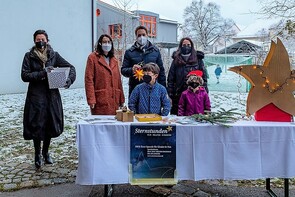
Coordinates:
x,y
238,10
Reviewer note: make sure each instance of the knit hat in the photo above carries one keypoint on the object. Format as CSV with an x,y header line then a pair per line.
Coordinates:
x,y
196,72
195,76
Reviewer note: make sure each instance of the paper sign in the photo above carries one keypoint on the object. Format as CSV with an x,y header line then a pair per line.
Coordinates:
x,y
57,77
152,154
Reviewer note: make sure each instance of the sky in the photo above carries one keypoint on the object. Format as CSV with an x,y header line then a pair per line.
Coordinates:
x,y
238,10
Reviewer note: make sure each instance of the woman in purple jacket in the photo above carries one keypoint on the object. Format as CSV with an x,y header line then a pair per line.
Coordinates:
x,y
195,99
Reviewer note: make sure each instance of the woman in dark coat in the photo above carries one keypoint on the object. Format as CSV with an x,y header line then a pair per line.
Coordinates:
x,y
43,112
185,60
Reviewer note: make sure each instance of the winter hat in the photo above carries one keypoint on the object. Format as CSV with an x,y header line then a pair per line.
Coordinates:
x,y
195,76
196,72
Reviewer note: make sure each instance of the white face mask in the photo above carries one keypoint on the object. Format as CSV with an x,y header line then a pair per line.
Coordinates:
x,y
106,47
142,40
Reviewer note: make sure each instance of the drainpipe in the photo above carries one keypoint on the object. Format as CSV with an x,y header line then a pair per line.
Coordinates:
x,y
92,23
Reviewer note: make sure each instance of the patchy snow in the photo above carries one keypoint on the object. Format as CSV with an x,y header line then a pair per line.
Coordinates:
x,y
15,148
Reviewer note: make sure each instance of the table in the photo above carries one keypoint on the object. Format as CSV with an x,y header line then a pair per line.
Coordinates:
x,y
246,150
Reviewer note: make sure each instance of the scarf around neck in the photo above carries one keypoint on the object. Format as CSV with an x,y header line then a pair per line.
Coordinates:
x,y
42,55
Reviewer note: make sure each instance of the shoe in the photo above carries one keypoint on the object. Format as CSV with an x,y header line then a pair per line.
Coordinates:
x,y
47,158
38,161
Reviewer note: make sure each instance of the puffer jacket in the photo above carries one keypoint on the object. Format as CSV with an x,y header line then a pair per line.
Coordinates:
x,y
135,55
43,112
193,102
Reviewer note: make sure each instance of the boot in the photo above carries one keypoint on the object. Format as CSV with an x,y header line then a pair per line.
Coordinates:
x,y
47,158
38,160
46,155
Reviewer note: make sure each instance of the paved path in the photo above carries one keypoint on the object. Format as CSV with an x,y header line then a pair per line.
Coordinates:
x,y
184,188
17,171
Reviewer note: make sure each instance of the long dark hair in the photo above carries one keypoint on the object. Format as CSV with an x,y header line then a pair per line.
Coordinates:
x,y
98,48
192,58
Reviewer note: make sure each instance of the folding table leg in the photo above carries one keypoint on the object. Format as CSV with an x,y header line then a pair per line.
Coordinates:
x,y
108,190
286,186
272,194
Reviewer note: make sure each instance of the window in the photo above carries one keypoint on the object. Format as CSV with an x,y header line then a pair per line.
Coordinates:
x,y
115,30
150,22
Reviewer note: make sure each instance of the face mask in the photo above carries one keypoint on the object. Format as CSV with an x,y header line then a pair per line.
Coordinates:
x,y
147,78
193,84
186,50
142,40
106,47
40,45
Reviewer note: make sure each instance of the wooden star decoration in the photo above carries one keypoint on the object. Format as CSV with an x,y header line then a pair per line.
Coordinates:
x,y
273,82
138,74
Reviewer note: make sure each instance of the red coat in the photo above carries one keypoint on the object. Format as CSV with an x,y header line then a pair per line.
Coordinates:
x,y
103,85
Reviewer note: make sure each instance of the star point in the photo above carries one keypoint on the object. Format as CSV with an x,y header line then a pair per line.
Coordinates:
x,y
271,82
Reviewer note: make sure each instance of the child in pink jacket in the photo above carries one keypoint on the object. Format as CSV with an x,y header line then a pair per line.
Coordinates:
x,y
195,99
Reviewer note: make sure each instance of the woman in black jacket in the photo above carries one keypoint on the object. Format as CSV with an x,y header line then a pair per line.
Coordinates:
x,y
43,113
185,59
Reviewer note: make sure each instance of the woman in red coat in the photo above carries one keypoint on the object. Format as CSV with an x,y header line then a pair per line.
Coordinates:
x,y
103,83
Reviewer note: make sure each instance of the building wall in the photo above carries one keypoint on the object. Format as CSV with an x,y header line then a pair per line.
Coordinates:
x,y
110,15
68,24
167,32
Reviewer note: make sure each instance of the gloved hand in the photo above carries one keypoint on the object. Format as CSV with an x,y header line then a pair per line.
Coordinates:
x,y
48,69
68,83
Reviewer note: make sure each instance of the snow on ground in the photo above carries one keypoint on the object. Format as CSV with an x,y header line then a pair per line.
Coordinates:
x,y
229,93
12,145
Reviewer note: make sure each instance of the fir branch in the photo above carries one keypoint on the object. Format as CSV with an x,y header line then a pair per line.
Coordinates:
x,y
222,117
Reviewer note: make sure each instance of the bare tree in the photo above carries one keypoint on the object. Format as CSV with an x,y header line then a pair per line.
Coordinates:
x,y
124,35
125,6
278,8
203,23
284,9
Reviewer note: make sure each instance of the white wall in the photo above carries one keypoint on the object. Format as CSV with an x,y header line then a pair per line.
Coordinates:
x,y
69,27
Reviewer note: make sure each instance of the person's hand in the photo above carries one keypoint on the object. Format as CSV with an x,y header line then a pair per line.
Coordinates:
x,y
48,69
68,83
92,106
135,67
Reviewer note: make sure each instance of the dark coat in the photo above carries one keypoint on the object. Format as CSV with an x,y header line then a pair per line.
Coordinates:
x,y
134,55
178,72
43,112
103,85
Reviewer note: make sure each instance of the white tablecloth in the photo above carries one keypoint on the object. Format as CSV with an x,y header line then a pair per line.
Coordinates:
x,y
247,150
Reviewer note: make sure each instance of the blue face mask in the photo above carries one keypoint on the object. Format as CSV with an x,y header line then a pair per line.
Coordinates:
x,y
142,40
106,47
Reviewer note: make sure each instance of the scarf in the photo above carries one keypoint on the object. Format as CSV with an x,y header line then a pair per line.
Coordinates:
x,y
42,55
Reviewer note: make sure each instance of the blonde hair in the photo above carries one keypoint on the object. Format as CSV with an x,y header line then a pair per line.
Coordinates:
x,y
195,78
